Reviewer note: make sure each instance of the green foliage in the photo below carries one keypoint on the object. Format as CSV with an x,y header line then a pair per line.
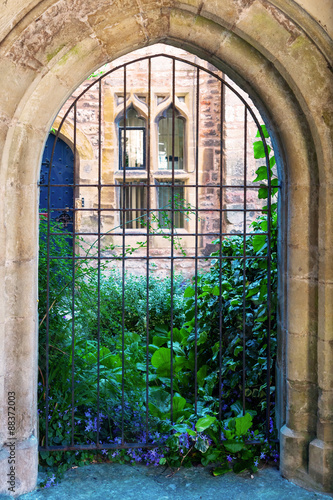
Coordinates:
x,y
202,354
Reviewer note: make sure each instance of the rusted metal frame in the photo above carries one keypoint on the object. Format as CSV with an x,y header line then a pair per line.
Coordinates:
x,y
157,234
216,186
172,212
220,248
172,232
244,264
99,251
123,274
148,249
196,241
159,257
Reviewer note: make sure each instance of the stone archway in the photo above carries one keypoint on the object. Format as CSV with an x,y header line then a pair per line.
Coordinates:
x,y
278,54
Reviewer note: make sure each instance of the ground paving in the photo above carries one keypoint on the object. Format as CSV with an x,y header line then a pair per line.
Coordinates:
x,y
124,482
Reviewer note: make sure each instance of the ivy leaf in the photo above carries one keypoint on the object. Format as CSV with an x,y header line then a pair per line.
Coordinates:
x,y
272,161
202,444
261,173
259,150
264,131
238,349
263,193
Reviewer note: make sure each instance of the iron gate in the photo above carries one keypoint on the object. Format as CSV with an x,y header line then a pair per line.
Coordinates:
x,y
155,193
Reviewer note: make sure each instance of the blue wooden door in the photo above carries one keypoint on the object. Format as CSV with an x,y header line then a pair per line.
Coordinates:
x,y
61,183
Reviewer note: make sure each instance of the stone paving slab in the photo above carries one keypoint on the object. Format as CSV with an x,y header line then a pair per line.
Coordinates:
x,y
138,482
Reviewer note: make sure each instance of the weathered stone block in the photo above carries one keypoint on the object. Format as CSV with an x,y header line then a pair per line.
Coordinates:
x,y
302,358
321,464
293,451
303,295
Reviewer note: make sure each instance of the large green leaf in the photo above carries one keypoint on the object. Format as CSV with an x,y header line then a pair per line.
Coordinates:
x,y
201,375
233,446
204,422
243,424
189,292
161,359
160,405
258,241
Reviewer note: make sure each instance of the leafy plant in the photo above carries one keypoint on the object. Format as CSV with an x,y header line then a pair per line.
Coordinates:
x,y
194,367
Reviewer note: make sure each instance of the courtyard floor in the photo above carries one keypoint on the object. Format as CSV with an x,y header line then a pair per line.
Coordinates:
x,y
124,482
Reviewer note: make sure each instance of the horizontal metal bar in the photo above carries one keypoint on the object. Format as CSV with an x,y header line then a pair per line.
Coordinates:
x,y
99,446
135,233
169,184
224,257
191,209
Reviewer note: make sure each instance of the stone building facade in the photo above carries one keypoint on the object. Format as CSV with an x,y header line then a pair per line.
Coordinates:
x,y
214,105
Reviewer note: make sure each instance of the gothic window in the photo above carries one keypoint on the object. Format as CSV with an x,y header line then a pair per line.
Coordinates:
x,y
135,155
165,140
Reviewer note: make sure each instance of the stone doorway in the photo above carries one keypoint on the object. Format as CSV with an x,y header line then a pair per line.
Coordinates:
x,y
42,67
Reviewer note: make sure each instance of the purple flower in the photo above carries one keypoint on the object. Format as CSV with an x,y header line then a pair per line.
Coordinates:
x,y
262,456
104,452
256,463
229,458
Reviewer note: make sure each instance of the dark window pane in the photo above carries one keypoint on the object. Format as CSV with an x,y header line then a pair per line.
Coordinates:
x,y
135,148
135,141
134,215
165,141
165,203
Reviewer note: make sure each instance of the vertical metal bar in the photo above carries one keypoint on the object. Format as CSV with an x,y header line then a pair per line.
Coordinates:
x,y
244,258
269,258
196,246
123,276
148,249
73,273
99,247
48,302
220,249
172,228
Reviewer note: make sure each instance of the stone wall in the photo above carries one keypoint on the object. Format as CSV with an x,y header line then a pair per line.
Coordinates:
x,y
277,52
210,163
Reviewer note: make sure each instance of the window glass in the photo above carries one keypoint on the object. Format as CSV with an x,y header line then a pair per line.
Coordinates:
x,y
165,203
165,141
135,141
134,215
